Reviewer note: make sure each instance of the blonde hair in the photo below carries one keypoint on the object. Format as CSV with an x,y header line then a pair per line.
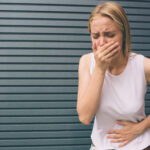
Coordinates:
x,y
117,14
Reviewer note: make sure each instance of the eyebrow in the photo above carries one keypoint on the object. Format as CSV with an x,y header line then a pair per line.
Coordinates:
x,y
105,32
110,32
95,33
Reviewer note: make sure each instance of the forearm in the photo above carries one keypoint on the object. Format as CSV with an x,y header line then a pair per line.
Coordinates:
x,y
145,124
89,100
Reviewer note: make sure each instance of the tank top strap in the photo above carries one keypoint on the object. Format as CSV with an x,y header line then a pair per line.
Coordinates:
x,y
92,63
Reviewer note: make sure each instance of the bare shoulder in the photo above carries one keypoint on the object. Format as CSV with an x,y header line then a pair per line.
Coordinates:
x,y
85,61
147,68
84,72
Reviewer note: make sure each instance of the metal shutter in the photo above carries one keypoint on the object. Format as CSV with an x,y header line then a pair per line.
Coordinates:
x,y
41,42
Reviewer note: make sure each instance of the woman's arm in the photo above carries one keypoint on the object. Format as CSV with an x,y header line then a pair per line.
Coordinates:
x,y
147,69
128,132
89,90
90,86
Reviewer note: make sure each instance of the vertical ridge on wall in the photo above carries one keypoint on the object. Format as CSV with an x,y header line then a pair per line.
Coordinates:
x,y
40,45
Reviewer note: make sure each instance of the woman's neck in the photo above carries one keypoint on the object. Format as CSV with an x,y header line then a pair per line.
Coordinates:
x,y
118,65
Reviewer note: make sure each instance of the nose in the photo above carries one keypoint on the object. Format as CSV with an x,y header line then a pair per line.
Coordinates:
x,y
102,41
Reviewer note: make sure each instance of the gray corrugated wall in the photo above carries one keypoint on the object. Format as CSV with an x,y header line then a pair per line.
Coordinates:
x,y
41,42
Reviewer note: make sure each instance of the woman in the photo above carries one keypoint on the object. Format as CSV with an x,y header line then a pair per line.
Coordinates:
x,y
112,84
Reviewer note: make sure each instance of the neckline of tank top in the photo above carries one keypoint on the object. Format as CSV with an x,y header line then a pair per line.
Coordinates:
x,y
125,69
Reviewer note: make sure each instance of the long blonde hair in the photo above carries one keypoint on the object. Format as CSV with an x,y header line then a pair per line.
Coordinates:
x,y
117,14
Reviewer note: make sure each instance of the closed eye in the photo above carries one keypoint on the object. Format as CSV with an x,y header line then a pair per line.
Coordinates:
x,y
111,35
95,36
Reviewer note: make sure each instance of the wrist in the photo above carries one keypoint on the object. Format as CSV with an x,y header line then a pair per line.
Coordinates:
x,y
145,124
99,70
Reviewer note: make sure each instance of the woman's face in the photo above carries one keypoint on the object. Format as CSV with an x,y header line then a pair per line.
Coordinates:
x,y
104,30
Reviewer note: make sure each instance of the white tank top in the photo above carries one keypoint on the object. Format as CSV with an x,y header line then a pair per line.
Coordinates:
x,y
122,98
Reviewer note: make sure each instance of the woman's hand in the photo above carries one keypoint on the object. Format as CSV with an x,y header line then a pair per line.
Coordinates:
x,y
105,54
129,131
